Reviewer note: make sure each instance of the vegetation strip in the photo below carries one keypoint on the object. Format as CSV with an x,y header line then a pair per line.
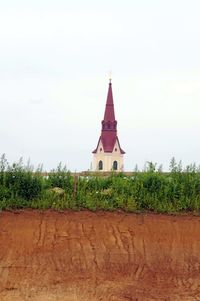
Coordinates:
x,y
152,190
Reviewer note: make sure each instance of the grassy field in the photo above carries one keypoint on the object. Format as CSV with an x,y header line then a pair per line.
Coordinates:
x,y
150,190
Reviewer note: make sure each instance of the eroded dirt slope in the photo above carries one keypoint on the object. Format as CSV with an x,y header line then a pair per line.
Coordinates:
x,y
84,256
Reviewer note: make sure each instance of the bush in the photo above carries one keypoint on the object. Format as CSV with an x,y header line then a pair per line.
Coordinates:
x,y
22,183
60,177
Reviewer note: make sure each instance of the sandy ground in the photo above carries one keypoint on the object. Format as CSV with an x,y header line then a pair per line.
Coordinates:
x,y
84,256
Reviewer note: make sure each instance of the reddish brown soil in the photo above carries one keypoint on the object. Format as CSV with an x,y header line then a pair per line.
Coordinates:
x,y
84,256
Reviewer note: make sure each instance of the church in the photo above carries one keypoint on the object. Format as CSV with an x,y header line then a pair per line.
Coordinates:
x,y
108,155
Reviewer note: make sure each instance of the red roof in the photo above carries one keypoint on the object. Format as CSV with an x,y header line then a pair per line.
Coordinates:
x,y
109,126
109,114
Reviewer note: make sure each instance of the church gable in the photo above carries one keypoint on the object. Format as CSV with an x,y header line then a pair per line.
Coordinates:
x,y
116,148
100,148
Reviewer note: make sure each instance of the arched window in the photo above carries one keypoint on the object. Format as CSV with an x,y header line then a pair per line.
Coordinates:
x,y
100,165
115,165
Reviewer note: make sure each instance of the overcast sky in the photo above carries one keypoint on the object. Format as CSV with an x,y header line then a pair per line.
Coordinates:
x,y
55,57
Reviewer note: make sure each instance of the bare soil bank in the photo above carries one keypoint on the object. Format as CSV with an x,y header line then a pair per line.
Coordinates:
x,y
84,256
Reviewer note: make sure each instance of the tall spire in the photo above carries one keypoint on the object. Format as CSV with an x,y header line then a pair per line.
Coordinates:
x,y
109,124
109,114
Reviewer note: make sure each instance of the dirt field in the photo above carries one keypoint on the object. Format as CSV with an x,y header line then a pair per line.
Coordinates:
x,y
84,256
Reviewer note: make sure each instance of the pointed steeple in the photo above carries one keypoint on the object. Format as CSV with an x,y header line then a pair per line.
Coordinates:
x,y
108,136
109,114
109,123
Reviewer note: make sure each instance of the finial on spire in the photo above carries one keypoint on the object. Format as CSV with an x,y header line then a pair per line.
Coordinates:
x,y
110,77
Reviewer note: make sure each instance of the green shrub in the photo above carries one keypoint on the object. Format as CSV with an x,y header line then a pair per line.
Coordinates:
x,y
22,183
60,177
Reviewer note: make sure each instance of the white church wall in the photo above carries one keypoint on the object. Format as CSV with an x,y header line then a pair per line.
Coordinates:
x,y
107,158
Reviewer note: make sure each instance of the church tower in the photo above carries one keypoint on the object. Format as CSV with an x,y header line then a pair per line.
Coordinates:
x,y
108,154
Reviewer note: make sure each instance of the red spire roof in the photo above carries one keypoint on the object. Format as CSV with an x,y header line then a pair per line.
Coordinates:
x,y
109,114
109,126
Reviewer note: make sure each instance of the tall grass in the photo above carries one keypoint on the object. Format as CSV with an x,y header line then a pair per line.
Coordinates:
x,y
152,190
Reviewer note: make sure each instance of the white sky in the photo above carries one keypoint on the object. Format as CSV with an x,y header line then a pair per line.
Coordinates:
x,y
55,57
